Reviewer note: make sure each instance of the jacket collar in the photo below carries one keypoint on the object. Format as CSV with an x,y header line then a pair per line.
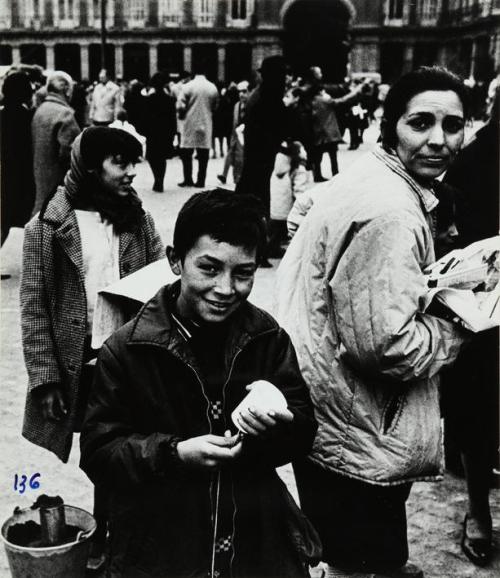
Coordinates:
x,y
391,160
155,326
53,97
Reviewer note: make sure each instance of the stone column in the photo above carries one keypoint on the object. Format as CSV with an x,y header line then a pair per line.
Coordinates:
x,y
84,58
188,58
16,55
50,56
408,58
221,62
257,56
473,59
441,57
118,60
153,58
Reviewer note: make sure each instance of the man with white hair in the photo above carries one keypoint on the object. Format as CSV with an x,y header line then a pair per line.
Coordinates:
x,y
53,130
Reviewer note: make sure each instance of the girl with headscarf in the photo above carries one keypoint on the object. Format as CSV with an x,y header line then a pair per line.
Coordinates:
x,y
92,232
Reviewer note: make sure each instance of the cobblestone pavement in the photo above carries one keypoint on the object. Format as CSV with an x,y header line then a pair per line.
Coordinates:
x,y
435,510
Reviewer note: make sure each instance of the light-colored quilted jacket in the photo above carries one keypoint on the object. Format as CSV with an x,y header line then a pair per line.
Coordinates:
x,y
349,291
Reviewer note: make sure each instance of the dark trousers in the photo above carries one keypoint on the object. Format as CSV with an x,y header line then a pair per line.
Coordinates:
x,y
158,166
187,165
317,155
362,526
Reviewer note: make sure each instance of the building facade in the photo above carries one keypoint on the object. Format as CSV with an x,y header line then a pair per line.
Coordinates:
x,y
232,36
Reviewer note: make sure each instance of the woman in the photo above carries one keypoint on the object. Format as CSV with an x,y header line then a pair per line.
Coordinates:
x,y
160,126
349,293
471,421
92,232
17,182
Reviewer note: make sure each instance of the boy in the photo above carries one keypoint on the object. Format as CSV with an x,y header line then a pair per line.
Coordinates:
x,y
190,497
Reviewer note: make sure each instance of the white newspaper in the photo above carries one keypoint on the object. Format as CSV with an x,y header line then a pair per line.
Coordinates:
x,y
110,312
466,281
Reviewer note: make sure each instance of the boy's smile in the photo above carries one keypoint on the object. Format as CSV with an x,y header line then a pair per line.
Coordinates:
x,y
216,277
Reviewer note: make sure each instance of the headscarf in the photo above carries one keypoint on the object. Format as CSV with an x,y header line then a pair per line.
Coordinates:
x,y
84,189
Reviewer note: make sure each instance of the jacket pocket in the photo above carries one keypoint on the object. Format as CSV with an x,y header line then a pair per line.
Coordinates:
x,y
392,413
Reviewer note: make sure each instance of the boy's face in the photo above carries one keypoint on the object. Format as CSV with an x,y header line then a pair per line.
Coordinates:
x,y
216,278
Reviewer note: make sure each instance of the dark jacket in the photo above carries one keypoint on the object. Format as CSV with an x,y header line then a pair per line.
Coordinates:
x,y
54,310
17,183
148,395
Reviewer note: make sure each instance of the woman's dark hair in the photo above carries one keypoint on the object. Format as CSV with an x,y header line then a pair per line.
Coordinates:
x,y
99,142
223,215
17,89
409,85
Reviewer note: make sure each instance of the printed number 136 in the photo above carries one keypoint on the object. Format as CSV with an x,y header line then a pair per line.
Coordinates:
x,y
20,482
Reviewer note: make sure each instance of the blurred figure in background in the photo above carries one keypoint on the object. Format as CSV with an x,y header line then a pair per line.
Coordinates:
x,y
53,129
234,157
196,106
17,183
159,128
134,104
106,101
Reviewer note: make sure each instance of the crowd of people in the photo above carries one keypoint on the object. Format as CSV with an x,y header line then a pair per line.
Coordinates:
x,y
345,383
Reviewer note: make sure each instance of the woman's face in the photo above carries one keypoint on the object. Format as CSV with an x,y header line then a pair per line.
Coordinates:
x,y
116,175
430,133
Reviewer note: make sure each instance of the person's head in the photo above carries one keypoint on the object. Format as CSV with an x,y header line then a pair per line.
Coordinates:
x,y
424,116
243,88
218,237
158,81
122,115
61,83
110,154
273,72
103,76
17,89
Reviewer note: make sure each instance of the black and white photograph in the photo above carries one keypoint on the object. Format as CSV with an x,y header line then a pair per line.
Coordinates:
x,y
250,288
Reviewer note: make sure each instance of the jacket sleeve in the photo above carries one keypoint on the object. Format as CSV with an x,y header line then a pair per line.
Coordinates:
x,y
287,441
66,132
36,327
112,451
155,248
376,292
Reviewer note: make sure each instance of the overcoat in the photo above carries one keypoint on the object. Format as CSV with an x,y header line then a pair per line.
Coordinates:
x,y
54,309
53,129
196,105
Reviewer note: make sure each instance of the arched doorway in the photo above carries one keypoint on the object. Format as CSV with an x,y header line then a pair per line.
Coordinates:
x,y
316,33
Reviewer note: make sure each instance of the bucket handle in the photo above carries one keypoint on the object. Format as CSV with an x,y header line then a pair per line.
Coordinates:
x,y
83,535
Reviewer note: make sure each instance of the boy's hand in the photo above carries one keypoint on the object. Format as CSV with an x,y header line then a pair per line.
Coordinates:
x,y
258,423
208,451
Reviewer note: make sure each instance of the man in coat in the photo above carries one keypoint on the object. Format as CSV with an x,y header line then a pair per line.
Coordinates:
x,y
195,106
106,101
53,130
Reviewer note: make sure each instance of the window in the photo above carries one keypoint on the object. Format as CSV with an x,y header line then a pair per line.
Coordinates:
x,y
66,13
395,10
429,9
94,13
137,10
239,12
204,12
169,12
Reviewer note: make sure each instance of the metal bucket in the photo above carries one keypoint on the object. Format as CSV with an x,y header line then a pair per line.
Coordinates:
x,y
65,561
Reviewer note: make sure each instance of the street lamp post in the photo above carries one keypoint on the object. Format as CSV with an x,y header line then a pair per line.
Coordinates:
x,y
103,34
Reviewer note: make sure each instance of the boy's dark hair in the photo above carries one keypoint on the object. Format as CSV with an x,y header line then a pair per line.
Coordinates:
x,y
225,216
409,85
99,142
